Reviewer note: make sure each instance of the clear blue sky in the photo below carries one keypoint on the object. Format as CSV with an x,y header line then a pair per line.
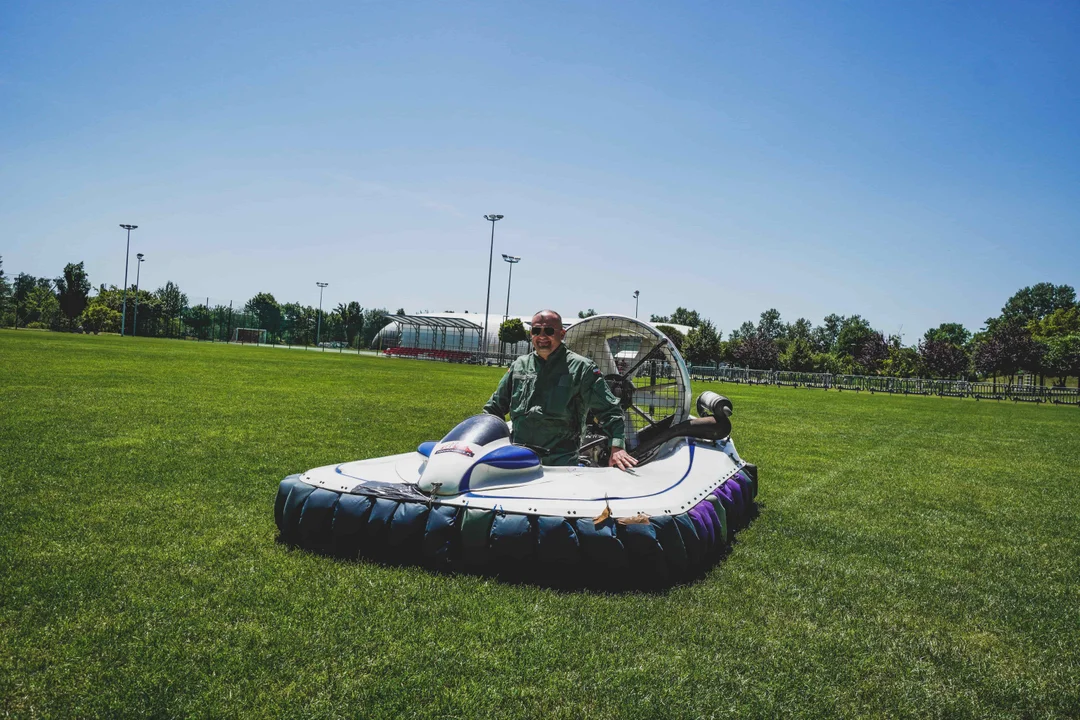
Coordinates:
x,y
915,163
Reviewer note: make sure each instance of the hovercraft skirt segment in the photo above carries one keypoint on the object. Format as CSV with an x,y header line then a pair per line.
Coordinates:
x,y
648,552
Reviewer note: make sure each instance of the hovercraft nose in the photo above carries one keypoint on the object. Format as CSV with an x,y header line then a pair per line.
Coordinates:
x,y
475,454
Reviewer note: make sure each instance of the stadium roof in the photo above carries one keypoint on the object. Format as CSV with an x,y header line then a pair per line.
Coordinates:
x,y
466,321
459,323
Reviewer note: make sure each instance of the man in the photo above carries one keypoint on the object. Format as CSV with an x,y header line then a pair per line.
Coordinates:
x,y
550,392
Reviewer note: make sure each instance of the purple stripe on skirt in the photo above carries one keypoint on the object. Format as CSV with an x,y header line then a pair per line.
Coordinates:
x,y
704,522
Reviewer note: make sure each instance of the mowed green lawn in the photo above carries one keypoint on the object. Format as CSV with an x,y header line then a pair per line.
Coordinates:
x,y
913,556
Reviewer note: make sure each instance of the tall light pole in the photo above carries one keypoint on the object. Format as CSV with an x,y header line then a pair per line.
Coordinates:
x,y
491,255
636,293
318,328
138,271
127,255
513,261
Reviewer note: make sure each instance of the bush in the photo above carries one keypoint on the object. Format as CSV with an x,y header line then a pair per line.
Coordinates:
x,y
702,344
798,356
676,337
97,317
512,331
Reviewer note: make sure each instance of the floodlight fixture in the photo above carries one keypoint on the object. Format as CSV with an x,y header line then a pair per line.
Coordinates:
x,y
127,256
492,218
513,261
318,327
138,272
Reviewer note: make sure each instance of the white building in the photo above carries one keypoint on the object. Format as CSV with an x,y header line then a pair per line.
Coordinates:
x,y
456,333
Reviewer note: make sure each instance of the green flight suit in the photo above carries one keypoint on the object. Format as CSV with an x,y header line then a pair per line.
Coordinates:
x,y
549,401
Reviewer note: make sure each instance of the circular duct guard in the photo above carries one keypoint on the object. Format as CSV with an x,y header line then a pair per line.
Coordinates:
x,y
642,368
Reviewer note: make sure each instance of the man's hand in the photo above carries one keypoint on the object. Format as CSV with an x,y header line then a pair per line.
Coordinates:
x,y
621,459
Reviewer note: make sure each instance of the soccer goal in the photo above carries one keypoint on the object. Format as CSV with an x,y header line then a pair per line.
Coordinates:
x,y
249,335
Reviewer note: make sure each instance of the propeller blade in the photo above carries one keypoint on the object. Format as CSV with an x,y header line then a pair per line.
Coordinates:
x,y
656,350
643,414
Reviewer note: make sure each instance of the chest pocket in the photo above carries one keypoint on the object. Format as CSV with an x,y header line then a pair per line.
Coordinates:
x,y
558,398
521,393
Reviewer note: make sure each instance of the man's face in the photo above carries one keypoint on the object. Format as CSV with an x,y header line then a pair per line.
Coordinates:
x,y
542,342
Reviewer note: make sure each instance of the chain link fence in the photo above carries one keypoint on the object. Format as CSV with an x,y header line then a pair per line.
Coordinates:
x,y
211,319
214,320
1022,392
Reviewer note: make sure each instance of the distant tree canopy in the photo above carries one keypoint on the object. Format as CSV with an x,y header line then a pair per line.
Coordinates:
x,y
872,353
1038,301
7,315
351,319
770,326
1062,358
1037,332
901,361
172,300
375,320
41,306
99,317
20,293
199,319
943,359
824,336
756,351
676,337
512,331
267,312
1007,348
854,333
952,333
801,329
798,356
1061,322
702,344
681,316
744,331
72,290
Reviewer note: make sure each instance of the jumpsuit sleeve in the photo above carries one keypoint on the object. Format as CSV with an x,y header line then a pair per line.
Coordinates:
x,y
605,406
499,404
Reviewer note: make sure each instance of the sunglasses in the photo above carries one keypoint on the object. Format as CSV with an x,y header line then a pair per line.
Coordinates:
x,y
549,331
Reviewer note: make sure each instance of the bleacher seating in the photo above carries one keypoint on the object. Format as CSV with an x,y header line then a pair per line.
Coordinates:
x,y
428,354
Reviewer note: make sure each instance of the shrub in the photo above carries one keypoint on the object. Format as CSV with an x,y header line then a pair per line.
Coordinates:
x,y
676,337
97,317
512,331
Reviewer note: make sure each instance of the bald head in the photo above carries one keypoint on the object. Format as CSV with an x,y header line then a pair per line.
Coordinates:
x,y
549,316
547,332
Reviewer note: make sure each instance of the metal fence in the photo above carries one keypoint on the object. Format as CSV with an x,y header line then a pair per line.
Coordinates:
x,y
211,319
217,320
897,386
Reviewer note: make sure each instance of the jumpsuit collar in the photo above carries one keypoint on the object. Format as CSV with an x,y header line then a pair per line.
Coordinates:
x,y
555,355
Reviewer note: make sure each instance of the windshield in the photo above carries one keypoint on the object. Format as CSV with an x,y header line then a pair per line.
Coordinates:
x,y
479,430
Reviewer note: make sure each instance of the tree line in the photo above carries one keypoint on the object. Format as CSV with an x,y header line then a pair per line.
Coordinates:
x,y
1037,333
66,303
347,323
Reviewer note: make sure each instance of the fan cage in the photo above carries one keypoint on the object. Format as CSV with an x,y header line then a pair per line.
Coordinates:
x,y
642,367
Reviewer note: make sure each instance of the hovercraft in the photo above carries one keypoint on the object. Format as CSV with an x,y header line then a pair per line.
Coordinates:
x,y
475,502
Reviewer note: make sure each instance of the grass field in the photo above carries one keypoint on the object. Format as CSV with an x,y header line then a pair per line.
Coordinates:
x,y
913,557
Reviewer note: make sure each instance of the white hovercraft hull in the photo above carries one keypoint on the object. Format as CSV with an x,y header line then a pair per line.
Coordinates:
x,y
682,475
